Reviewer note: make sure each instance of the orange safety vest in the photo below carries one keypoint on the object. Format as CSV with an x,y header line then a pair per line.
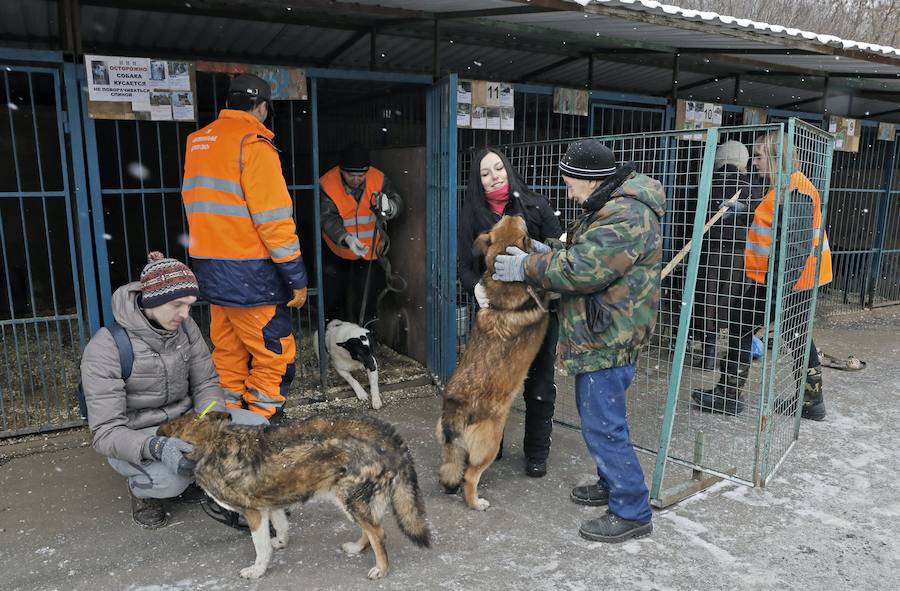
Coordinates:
x,y
243,240
359,219
760,243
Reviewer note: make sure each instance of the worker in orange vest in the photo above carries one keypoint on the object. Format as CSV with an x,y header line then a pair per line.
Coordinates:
x,y
356,199
802,213
244,248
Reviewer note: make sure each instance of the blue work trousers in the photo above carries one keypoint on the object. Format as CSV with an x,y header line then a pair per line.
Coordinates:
x,y
604,425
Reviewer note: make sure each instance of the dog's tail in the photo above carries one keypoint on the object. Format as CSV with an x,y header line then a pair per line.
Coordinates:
x,y
406,499
454,458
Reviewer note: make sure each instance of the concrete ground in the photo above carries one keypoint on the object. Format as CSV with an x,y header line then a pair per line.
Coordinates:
x,y
828,521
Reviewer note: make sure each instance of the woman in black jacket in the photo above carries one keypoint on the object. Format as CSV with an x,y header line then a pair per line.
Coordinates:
x,y
495,190
720,280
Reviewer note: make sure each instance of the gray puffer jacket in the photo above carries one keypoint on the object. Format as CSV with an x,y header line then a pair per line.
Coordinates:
x,y
172,374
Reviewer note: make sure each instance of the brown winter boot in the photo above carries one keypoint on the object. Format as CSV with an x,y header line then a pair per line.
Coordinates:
x,y
148,513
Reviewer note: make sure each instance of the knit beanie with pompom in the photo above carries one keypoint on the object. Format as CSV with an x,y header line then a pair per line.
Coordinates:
x,y
164,280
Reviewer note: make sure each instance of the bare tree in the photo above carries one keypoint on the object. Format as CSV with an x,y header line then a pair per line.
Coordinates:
x,y
872,21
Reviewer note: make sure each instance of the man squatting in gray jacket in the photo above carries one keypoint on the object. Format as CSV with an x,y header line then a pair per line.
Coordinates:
x,y
172,375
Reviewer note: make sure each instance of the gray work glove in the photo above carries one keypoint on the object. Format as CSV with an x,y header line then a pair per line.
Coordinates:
x,y
539,247
735,206
354,244
170,451
510,266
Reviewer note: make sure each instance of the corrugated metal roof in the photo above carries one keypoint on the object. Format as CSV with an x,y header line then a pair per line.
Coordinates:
x,y
730,22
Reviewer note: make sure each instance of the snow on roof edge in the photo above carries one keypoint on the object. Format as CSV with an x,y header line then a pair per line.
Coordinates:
x,y
653,6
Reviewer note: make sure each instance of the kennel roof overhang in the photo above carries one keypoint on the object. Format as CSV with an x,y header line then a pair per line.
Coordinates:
x,y
635,46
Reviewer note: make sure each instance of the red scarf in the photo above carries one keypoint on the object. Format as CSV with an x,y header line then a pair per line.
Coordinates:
x,y
498,198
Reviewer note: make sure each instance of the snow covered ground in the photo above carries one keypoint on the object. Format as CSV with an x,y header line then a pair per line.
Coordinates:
x,y
828,521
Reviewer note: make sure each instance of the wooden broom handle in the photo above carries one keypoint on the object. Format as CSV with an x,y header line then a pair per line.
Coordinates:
x,y
687,247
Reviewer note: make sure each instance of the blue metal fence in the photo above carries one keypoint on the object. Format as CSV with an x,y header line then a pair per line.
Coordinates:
x,y
44,316
441,324
85,200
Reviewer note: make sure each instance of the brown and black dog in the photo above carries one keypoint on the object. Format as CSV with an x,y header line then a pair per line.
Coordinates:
x,y
492,371
359,463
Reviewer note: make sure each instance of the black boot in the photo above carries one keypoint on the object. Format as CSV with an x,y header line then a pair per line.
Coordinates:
x,y
813,401
148,513
535,468
192,495
613,529
708,361
725,398
592,495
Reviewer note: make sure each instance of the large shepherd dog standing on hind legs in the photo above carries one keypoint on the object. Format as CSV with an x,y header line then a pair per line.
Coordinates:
x,y
492,370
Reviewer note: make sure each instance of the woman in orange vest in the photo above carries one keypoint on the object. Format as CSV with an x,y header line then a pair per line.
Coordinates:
x,y
354,195
805,234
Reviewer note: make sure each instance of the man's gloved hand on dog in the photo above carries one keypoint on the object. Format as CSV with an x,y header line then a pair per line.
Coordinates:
x,y
481,296
510,266
356,245
539,247
170,451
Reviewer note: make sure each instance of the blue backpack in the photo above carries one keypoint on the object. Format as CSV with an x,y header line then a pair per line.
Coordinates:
x,y
126,361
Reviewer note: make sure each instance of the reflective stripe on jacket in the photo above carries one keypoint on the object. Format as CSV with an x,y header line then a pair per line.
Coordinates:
x,y
243,241
760,242
359,219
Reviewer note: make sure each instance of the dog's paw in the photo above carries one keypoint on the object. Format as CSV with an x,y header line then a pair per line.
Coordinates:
x,y
481,505
253,572
376,402
279,543
377,573
362,396
352,548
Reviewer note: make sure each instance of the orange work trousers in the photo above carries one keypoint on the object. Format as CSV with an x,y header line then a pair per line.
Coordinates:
x,y
254,353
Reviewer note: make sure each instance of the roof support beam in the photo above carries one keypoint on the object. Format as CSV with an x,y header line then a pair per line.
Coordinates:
x,y
676,72
436,55
704,82
882,113
794,104
549,67
590,72
340,49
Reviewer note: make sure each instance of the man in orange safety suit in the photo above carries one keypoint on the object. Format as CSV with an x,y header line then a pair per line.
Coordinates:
x,y
244,248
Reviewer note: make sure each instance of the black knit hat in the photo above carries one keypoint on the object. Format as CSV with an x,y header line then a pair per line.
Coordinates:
x,y
355,158
588,160
251,86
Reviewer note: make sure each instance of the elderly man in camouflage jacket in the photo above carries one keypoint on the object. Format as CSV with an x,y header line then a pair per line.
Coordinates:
x,y
607,273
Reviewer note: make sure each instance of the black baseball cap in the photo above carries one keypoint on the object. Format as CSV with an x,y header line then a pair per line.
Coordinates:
x,y
251,85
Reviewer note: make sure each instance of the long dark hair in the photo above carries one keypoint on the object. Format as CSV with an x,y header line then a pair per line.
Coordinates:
x,y
475,201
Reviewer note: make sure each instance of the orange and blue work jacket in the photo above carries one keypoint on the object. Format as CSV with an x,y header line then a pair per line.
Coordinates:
x,y
760,243
243,242
358,217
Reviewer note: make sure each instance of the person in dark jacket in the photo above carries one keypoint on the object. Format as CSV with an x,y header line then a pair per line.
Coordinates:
x,y
495,189
721,282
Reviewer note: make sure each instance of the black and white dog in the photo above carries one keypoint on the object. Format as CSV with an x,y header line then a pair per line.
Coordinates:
x,y
350,349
